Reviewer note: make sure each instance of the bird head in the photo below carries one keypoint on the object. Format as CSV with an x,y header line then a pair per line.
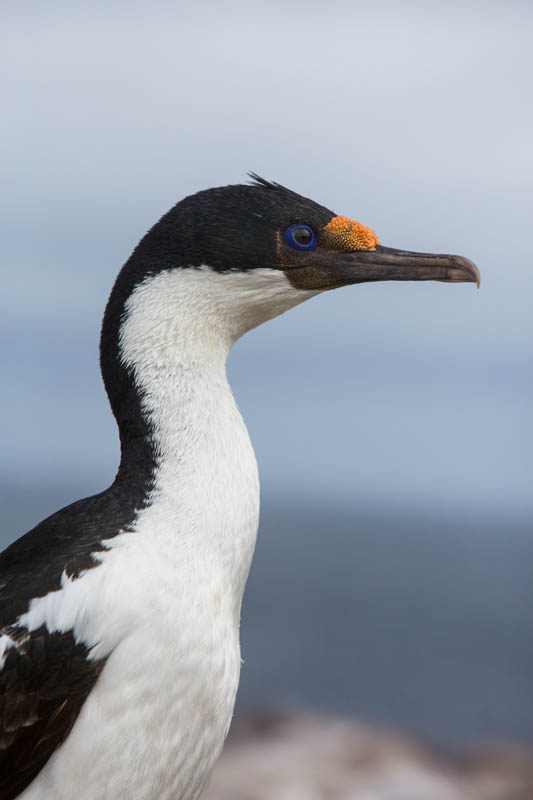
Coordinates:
x,y
263,225
227,259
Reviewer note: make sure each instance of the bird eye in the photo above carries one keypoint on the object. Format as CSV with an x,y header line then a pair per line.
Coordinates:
x,y
301,237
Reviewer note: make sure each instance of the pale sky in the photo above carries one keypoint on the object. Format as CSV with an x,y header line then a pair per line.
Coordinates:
x,y
414,118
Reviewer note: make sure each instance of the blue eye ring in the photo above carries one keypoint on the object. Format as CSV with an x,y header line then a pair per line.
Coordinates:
x,y
291,238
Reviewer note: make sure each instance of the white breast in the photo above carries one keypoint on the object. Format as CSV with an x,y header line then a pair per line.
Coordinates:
x,y
164,605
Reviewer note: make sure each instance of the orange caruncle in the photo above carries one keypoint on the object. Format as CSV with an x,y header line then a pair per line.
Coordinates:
x,y
343,233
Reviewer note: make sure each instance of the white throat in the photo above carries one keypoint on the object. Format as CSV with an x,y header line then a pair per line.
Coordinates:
x,y
196,314
176,335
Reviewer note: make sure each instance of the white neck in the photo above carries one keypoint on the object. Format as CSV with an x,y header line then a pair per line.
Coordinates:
x,y
177,333
196,314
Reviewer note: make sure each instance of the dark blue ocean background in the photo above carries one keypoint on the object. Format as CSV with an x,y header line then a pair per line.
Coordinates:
x,y
416,620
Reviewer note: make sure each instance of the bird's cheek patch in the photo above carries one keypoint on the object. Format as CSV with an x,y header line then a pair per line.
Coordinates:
x,y
345,234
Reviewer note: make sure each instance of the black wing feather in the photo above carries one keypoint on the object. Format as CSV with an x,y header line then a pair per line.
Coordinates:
x,y
46,675
44,682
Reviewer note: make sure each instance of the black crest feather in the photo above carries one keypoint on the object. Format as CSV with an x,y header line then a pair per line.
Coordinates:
x,y
257,180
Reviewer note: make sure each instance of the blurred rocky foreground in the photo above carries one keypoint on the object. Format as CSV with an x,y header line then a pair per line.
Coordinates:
x,y
321,758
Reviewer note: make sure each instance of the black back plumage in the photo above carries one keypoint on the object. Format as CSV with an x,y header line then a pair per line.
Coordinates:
x,y
47,676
